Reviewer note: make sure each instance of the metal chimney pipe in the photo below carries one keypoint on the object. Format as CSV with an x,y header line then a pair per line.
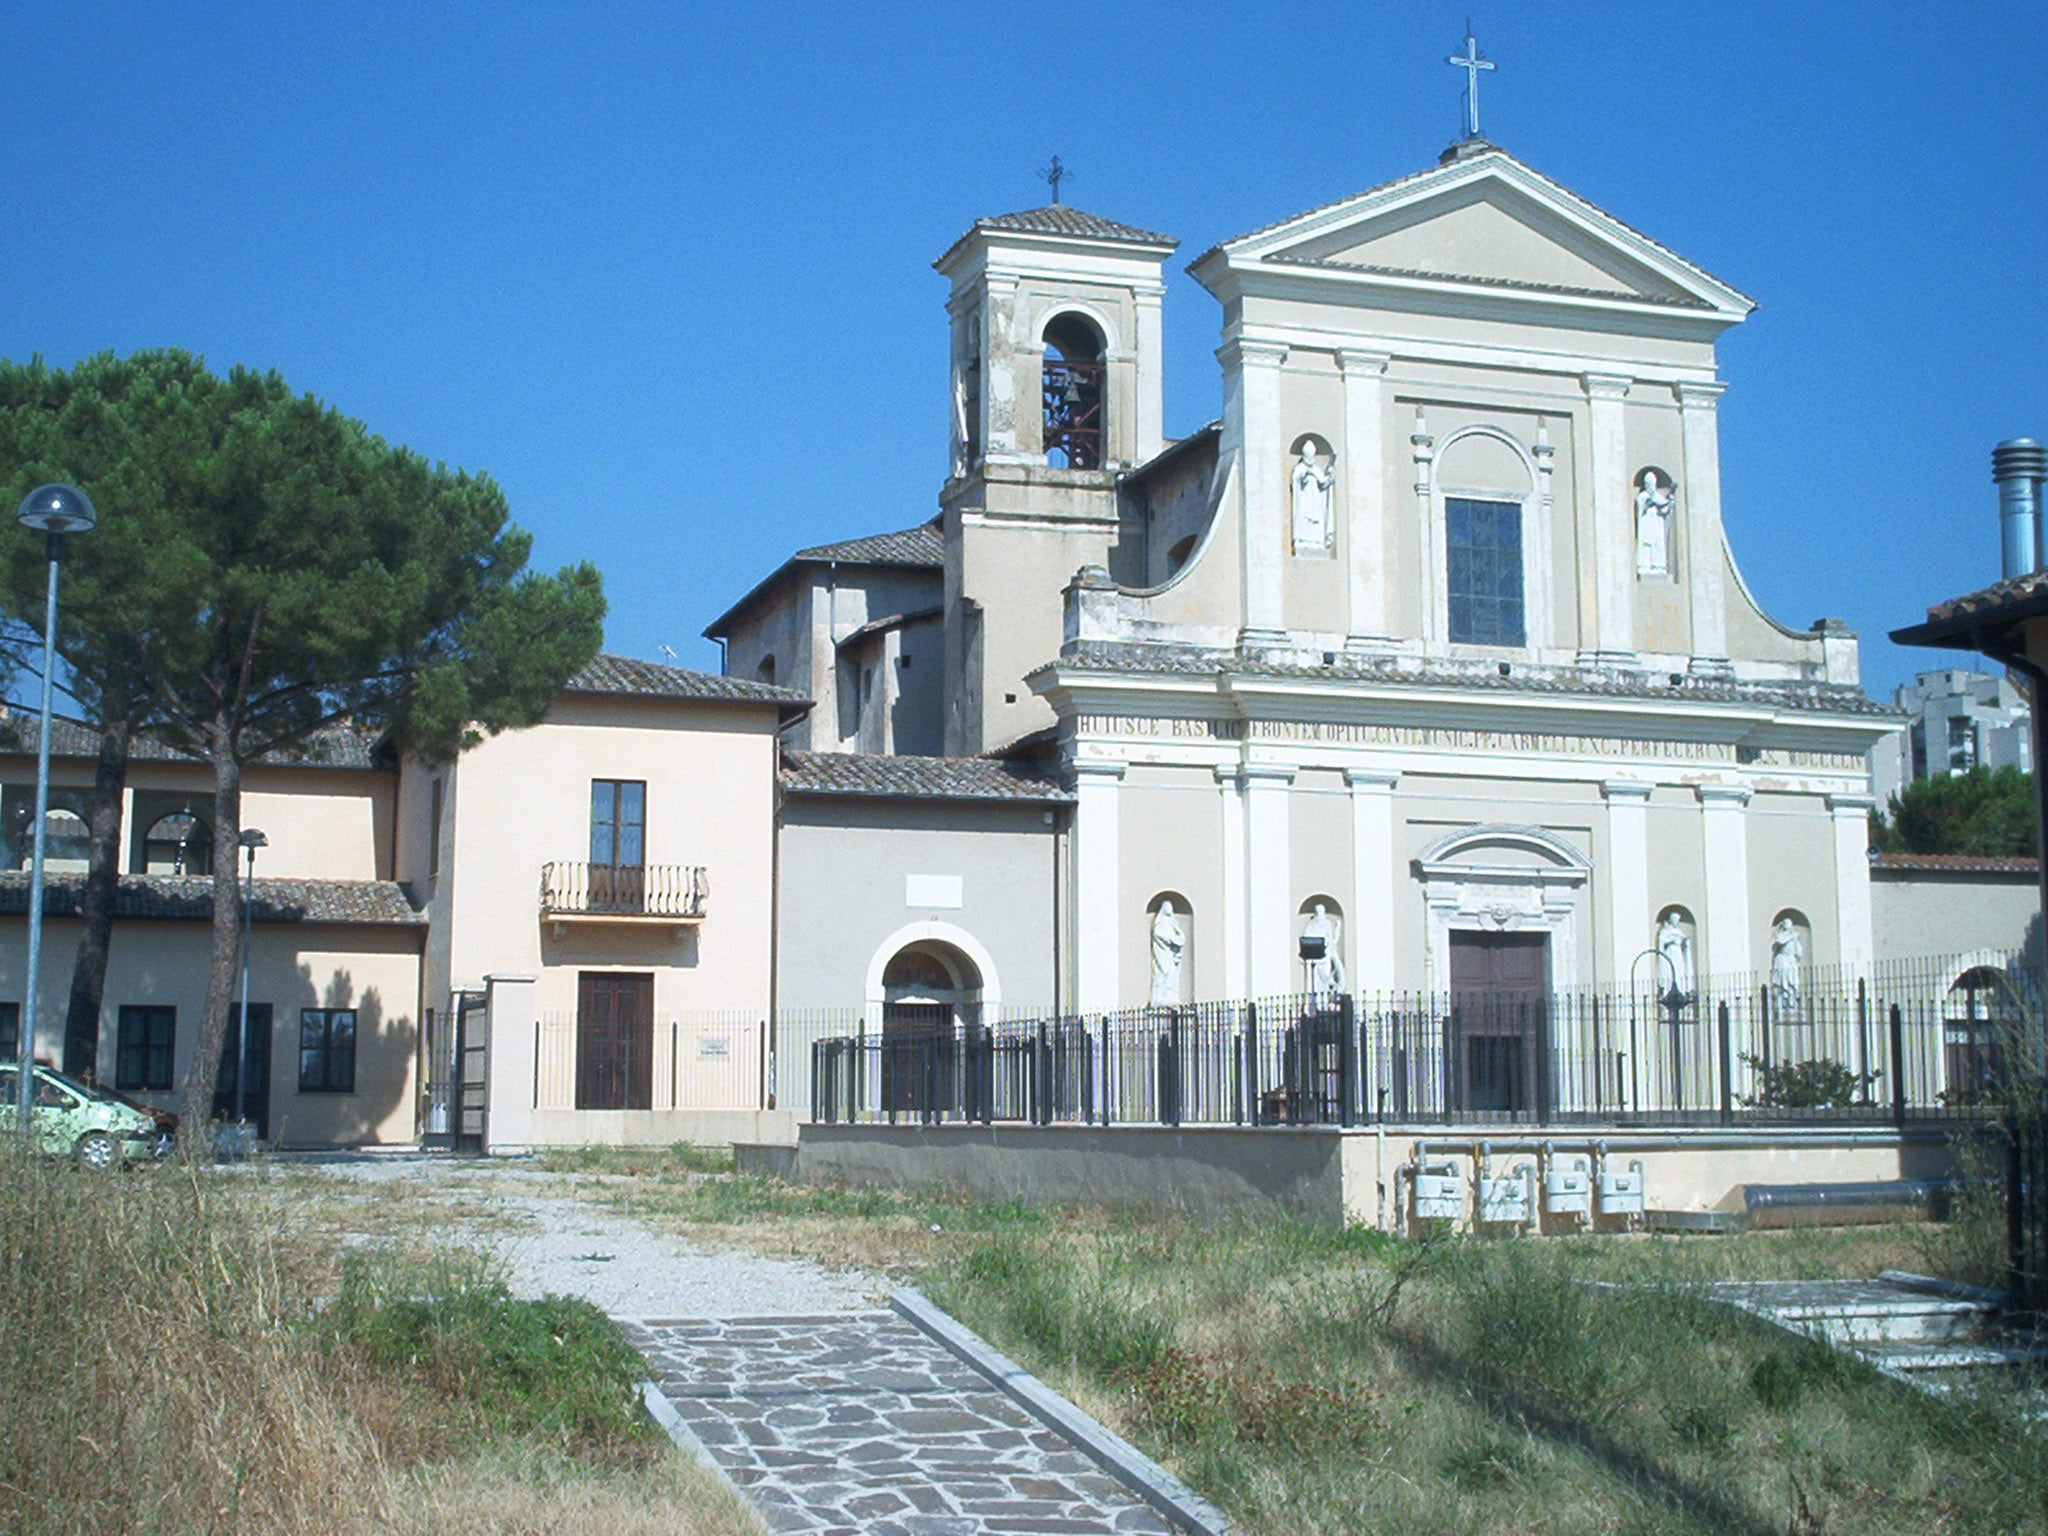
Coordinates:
x,y
2019,465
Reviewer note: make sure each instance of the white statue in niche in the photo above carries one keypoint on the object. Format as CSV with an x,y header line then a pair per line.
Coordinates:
x,y
1674,944
1788,954
1169,942
1656,501
1315,530
1326,971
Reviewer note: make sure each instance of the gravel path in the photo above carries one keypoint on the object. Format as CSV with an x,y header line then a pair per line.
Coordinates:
x,y
550,1242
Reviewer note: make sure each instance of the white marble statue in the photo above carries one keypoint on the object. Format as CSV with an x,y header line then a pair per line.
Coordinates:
x,y
1788,954
1169,942
1315,531
1675,945
1325,976
1656,500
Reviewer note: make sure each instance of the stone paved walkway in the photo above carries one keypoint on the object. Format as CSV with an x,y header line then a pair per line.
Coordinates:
x,y
859,1423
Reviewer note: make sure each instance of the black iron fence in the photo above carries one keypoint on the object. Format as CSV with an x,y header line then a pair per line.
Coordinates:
x,y
1890,1048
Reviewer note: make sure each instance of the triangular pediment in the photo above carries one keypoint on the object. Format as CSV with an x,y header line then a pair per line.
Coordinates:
x,y
1482,222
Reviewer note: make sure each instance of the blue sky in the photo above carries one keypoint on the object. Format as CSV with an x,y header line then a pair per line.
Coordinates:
x,y
664,271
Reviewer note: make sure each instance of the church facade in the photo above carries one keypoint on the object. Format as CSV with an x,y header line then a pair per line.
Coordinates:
x,y
1431,647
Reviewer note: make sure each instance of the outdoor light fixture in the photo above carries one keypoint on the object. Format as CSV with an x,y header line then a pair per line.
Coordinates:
x,y
53,510
250,839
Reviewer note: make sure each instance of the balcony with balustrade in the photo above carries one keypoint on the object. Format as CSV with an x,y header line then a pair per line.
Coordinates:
x,y
579,893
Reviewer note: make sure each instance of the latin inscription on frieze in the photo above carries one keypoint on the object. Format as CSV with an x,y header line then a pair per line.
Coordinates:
x,y
1354,733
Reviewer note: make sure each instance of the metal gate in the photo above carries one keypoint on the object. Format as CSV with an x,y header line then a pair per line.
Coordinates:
x,y
457,1065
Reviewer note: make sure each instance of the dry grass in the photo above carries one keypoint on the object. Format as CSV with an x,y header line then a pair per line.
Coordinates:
x,y
173,1365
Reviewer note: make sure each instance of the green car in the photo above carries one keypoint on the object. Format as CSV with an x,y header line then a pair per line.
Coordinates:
x,y
71,1119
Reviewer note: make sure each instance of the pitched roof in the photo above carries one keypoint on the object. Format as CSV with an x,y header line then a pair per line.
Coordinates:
x,y
923,545
189,898
926,778
919,548
1193,661
335,746
1065,219
1334,264
1952,864
609,674
1456,163
1968,622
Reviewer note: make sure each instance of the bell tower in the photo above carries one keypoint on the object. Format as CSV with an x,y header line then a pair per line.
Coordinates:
x,y
1056,359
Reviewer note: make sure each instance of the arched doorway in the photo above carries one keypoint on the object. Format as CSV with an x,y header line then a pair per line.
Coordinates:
x,y
931,992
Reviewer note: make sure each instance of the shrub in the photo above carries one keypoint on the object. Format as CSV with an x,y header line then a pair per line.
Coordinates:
x,y
1819,1084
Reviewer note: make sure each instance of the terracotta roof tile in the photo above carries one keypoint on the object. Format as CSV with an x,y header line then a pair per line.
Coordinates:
x,y
1064,219
1952,864
2011,590
657,680
923,545
929,778
189,898
335,746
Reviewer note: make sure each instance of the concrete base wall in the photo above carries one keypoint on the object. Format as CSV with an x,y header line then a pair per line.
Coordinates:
x,y
648,1128
1329,1175
1203,1168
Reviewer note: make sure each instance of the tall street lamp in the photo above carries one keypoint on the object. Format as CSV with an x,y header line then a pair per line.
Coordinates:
x,y
251,840
55,510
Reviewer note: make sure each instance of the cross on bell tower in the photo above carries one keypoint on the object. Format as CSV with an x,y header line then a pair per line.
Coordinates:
x,y
1473,63
1056,173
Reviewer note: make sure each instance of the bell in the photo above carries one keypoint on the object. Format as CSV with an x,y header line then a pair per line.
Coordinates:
x,y
1073,393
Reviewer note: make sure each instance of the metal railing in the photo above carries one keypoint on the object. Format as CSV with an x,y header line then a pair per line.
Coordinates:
x,y
1888,1048
580,889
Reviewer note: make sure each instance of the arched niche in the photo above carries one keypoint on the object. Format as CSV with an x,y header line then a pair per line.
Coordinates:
x,y
1170,949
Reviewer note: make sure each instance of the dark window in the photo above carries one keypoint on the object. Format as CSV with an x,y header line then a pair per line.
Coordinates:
x,y
145,1042
1484,574
10,1032
327,1050
434,830
615,1041
618,844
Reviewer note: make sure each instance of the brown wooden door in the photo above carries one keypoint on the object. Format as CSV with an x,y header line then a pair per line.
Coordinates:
x,y
1499,989
615,1040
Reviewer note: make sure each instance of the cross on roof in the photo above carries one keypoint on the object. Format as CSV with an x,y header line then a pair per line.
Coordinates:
x,y
1058,173
1472,62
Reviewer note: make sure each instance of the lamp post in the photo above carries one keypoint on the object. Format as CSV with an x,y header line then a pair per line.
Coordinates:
x,y
55,510
251,839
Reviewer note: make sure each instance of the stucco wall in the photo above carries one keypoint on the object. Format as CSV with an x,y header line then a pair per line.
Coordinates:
x,y
523,800
374,970
845,864
1915,916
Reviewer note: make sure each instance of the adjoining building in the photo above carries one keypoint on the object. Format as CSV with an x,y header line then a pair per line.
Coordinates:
x,y
1955,721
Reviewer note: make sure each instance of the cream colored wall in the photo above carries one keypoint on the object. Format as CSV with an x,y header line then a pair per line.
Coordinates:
x,y
374,970
1170,837
525,801
1952,914
323,824
1792,864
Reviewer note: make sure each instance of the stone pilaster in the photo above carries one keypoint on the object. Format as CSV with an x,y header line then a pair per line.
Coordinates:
x,y
1098,922
1268,878
1628,873
1724,840
1363,474
1264,532
1851,815
1375,896
1612,555
1700,501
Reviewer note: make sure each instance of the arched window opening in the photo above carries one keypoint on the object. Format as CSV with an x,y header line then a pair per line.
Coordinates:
x,y
1073,388
67,842
178,844
1982,1011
